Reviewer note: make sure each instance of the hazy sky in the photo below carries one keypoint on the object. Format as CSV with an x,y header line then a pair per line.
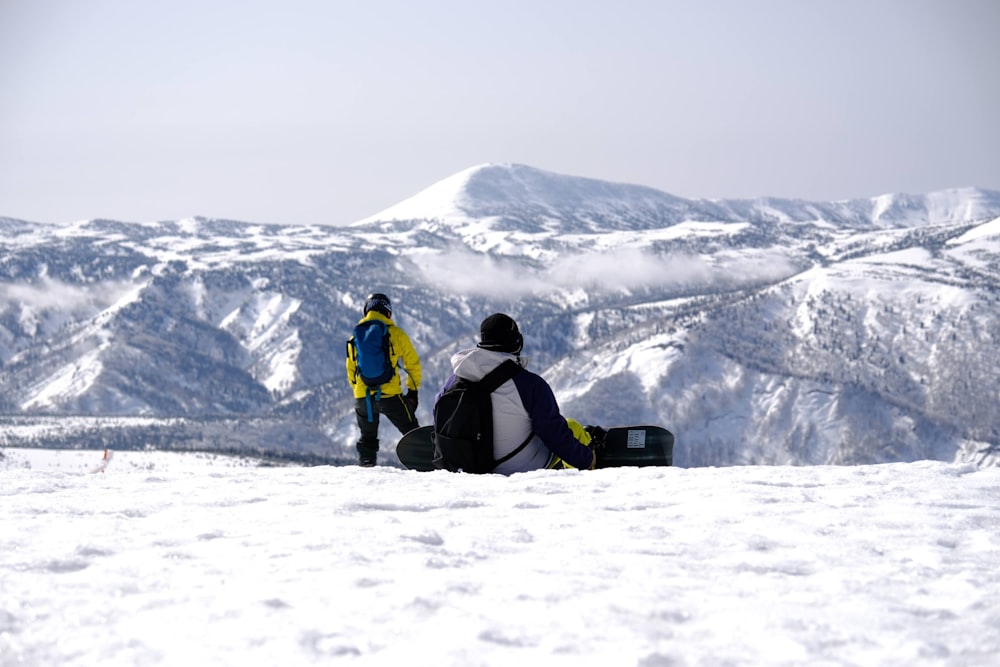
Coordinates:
x,y
326,112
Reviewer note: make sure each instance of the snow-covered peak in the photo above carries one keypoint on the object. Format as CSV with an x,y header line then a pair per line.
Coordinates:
x,y
506,191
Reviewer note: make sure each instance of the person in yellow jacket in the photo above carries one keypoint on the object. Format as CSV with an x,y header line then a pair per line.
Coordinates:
x,y
387,397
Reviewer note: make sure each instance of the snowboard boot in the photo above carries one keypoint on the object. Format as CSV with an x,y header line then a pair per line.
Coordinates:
x,y
367,451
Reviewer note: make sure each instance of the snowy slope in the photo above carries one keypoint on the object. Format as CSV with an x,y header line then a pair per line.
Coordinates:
x,y
171,559
763,331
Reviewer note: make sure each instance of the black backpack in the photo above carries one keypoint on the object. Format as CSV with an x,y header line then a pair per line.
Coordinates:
x,y
463,423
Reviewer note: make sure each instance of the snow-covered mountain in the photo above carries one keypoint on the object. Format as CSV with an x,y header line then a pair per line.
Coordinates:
x,y
759,331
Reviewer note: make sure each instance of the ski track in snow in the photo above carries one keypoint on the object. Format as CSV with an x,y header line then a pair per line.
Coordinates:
x,y
170,559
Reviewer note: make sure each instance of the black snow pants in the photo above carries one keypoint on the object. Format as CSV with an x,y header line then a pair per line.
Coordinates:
x,y
395,408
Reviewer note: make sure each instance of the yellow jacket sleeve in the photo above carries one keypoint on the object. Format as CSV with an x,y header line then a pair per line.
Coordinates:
x,y
411,360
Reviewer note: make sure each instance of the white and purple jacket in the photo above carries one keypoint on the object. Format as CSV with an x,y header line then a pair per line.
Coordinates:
x,y
522,406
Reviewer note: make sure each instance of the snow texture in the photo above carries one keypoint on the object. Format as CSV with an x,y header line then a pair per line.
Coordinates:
x,y
178,559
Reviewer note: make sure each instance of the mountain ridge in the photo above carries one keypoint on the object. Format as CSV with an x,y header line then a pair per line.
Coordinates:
x,y
499,190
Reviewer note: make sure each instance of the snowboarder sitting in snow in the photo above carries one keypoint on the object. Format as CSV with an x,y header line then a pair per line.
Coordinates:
x,y
373,355
526,416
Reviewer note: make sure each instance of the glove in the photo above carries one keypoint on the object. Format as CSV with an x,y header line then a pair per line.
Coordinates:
x,y
411,399
597,436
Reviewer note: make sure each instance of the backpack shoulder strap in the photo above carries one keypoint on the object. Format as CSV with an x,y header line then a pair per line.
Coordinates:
x,y
498,376
388,337
489,384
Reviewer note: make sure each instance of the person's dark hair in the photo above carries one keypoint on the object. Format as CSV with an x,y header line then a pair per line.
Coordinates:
x,y
379,303
499,333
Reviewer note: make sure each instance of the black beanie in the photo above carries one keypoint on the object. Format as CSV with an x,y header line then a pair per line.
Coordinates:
x,y
499,333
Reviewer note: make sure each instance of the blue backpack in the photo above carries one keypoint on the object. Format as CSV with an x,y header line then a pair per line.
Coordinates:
x,y
372,353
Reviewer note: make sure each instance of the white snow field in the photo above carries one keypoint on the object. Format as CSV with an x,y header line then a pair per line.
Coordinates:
x,y
179,559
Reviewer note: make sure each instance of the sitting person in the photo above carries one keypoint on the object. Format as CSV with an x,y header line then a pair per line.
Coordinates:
x,y
529,433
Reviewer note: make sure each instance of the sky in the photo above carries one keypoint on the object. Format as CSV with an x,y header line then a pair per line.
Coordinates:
x,y
327,112
173,559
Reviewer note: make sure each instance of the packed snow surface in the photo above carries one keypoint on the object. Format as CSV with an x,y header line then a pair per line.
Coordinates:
x,y
174,559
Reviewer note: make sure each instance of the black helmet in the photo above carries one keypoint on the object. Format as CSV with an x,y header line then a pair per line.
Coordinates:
x,y
379,303
499,333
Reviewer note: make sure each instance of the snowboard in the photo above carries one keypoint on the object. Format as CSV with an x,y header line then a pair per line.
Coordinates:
x,y
624,446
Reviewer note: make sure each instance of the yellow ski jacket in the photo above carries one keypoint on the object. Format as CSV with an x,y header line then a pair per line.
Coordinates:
x,y
400,348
